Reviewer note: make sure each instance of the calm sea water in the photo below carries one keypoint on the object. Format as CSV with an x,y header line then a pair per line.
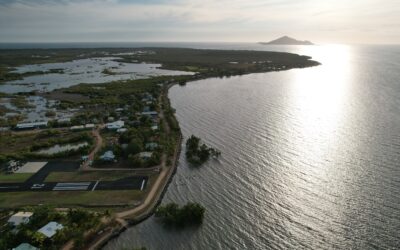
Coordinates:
x,y
310,157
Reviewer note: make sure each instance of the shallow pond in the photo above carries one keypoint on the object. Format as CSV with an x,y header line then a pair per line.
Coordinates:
x,y
61,148
74,72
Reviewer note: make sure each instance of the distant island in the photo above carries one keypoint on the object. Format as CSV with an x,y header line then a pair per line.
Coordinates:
x,y
285,40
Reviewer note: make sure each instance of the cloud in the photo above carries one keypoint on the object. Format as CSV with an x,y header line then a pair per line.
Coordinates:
x,y
206,20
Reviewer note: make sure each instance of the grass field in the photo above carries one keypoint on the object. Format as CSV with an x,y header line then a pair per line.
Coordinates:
x,y
75,198
88,176
15,177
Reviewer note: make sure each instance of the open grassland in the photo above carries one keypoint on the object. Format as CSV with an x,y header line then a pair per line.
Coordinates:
x,y
15,177
88,176
71,198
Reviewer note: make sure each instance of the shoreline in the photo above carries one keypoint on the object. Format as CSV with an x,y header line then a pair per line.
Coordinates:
x,y
218,65
101,243
156,200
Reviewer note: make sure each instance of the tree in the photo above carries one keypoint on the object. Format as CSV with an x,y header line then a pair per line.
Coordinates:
x,y
189,214
198,154
134,147
135,161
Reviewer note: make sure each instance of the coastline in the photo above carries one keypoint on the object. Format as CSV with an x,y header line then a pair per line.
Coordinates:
x,y
169,163
156,200
102,241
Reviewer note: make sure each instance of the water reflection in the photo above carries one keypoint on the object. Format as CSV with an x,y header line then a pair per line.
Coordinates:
x,y
306,162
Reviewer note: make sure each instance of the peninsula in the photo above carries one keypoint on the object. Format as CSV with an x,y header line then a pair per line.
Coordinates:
x,y
110,146
285,40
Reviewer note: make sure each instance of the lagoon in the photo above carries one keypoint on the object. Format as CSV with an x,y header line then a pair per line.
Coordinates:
x,y
91,70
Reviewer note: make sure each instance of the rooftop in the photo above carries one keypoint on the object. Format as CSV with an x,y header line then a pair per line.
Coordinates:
x,y
20,218
145,154
108,155
51,229
25,246
31,125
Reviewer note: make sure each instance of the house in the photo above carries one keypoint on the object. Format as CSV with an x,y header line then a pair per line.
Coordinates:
x,y
151,145
31,125
89,126
75,128
154,127
64,120
108,156
150,113
121,130
115,125
25,246
20,218
50,229
145,155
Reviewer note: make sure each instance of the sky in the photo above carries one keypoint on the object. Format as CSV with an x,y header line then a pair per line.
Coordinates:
x,y
321,21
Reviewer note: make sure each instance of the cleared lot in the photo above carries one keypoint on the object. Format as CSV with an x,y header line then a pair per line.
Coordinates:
x,y
31,167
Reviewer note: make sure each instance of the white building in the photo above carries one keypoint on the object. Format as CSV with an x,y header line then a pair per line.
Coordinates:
x,y
115,125
64,120
31,125
80,127
89,126
122,130
145,155
20,218
108,156
50,229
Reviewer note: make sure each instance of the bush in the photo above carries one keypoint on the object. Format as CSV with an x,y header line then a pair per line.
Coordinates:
x,y
197,153
172,215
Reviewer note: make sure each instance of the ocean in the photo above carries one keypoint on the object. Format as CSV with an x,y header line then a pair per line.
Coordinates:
x,y
310,157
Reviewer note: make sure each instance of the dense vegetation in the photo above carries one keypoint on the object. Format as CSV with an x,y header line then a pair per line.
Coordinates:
x,y
173,215
221,62
75,222
207,62
197,153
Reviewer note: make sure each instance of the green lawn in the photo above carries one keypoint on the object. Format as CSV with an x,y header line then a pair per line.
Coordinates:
x,y
71,198
88,176
15,177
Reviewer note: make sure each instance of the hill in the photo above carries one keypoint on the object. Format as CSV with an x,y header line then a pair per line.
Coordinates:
x,y
285,40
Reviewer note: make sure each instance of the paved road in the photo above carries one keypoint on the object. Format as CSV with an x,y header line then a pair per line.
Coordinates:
x,y
129,183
